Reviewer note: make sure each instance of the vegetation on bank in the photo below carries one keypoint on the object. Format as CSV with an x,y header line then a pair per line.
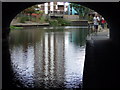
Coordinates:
x,y
59,22
23,19
15,28
43,19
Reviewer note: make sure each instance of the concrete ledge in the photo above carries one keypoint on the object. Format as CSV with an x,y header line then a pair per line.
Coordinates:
x,y
30,24
79,23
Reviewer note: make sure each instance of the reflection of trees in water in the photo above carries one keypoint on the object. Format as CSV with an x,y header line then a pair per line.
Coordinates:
x,y
30,37
79,36
25,37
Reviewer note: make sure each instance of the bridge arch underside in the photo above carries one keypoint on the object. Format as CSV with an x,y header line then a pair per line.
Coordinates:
x,y
101,67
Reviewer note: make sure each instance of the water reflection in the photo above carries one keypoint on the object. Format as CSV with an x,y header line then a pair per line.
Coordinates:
x,y
48,57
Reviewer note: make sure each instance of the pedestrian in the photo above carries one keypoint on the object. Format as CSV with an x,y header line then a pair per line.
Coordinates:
x,y
96,23
103,23
100,23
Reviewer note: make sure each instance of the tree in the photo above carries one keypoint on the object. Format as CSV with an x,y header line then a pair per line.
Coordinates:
x,y
30,10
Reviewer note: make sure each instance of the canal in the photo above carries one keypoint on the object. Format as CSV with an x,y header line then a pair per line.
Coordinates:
x,y
48,57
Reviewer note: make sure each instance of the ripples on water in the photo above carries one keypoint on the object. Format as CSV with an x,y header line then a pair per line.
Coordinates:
x,y
45,58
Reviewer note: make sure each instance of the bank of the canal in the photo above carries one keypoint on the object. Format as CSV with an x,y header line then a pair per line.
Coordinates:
x,y
34,24
30,24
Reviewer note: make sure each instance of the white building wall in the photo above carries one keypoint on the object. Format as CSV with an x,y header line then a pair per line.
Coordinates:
x,y
60,3
51,6
65,6
46,8
56,6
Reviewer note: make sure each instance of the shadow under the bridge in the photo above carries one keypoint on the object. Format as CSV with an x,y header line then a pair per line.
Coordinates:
x,y
101,65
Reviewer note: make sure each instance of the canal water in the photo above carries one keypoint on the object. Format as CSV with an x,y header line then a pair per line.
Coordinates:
x,y
48,57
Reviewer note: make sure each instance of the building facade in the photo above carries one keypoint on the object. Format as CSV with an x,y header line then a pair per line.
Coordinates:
x,y
57,9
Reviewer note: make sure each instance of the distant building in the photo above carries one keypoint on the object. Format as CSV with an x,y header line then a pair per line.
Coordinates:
x,y
54,9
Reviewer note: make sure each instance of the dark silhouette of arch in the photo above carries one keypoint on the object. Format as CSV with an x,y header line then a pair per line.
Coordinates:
x,y
101,69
